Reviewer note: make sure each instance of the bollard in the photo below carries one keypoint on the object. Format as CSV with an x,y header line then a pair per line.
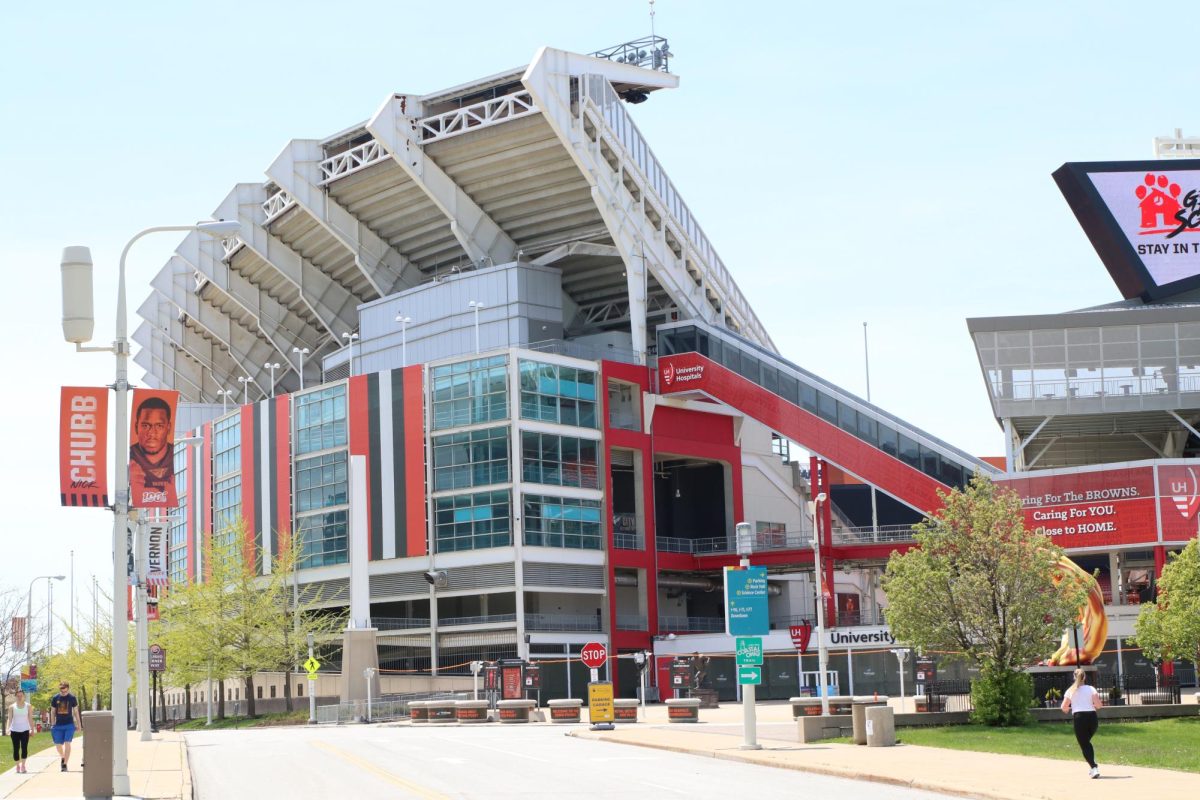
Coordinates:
x,y
859,715
97,754
472,711
441,711
418,711
881,726
511,711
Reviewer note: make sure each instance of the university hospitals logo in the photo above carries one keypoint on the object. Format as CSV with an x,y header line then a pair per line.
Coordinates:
x,y
1185,494
668,374
1161,209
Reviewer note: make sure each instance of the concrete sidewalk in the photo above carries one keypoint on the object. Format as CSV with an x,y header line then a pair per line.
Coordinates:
x,y
955,772
158,769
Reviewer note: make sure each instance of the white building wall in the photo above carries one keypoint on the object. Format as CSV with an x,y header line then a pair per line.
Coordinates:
x,y
767,483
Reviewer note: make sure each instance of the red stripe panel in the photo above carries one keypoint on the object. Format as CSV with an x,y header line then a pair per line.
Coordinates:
x,y
808,430
207,500
357,401
249,479
283,471
414,463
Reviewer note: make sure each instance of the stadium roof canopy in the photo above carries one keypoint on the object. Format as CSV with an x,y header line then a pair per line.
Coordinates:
x,y
541,164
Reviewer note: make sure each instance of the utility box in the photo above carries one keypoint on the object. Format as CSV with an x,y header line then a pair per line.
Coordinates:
x,y
881,726
97,753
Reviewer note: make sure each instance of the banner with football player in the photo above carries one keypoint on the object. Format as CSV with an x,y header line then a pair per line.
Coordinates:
x,y
152,449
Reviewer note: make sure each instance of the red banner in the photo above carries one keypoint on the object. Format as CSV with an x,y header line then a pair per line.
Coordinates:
x,y
1104,507
83,446
152,449
18,633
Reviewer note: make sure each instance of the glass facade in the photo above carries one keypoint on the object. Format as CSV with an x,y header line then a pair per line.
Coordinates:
x,y
562,522
472,521
322,481
555,393
321,419
559,460
177,554
227,477
324,538
878,433
471,458
470,392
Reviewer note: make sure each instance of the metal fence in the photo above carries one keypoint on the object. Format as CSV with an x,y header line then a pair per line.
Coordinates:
x,y
948,696
1050,687
383,709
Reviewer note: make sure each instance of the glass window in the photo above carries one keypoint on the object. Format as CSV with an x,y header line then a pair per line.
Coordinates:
x,y
471,458
321,419
322,481
472,521
931,463
910,452
177,561
808,398
868,430
847,419
827,408
227,446
470,392
553,393
323,538
623,401
227,508
889,441
562,522
559,460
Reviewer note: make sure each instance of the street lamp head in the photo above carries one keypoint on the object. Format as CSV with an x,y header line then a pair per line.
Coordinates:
x,y
301,350
245,379
349,336
59,577
475,304
822,497
269,365
78,321
404,319
220,228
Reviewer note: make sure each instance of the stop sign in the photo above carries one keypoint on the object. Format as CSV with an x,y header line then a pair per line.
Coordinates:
x,y
593,655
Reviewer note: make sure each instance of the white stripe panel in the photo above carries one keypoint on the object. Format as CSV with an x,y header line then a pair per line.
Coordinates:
x,y
265,489
387,465
198,503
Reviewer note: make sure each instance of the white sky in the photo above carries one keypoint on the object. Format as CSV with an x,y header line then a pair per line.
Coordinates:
x,y
887,163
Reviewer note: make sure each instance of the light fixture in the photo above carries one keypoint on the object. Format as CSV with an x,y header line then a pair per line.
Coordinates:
x,y
677,493
437,578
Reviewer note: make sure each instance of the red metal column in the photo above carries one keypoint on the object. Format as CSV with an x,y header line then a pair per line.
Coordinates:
x,y
818,481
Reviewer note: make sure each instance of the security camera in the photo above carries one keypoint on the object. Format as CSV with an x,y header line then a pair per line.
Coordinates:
x,y
437,578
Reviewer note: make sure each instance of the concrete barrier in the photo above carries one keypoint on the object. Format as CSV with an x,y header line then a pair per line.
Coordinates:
x,y
515,711
814,729
566,710
625,710
683,709
441,711
881,727
418,713
471,711
811,706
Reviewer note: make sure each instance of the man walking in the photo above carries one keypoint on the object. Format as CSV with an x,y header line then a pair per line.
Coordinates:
x,y
65,709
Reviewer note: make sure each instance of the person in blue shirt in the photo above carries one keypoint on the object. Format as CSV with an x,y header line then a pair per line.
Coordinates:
x,y
65,710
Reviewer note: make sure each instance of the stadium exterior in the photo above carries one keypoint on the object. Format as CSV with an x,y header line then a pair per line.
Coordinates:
x,y
481,339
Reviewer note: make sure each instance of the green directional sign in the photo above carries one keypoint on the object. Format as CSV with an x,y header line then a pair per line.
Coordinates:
x,y
749,651
749,676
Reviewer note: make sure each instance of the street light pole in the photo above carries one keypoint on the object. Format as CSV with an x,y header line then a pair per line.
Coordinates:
x,y
350,337
272,367
403,320
245,381
141,629
302,351
224,395
77,305
29,611
822,650
312,686
476,305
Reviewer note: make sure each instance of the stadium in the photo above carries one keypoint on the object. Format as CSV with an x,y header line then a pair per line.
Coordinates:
x,y
479,356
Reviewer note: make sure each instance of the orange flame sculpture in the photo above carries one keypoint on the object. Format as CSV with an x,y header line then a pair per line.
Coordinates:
x,y
1095,621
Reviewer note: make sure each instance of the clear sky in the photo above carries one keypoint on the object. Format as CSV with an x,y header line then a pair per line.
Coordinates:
x,y
878,162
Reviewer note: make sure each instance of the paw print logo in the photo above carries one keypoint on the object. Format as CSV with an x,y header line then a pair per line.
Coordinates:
x,y
1158,200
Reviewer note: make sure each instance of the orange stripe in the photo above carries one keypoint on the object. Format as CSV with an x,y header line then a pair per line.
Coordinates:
x,y
414,462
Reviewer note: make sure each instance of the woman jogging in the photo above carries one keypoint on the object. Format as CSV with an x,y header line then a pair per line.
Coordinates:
x,y
20,722
1082,702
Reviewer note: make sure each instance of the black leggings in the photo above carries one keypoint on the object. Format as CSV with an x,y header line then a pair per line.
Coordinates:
x,y
1086,723
20,744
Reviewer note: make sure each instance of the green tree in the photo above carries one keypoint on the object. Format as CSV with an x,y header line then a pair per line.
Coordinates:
x,y
1170,627
981,587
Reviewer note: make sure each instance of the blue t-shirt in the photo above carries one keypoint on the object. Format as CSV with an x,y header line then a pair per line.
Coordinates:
x,y
63,705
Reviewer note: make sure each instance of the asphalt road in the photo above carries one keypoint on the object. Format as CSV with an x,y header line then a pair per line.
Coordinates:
x,y
481,762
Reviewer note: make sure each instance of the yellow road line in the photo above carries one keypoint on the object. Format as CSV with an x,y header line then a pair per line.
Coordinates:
x,y
418,790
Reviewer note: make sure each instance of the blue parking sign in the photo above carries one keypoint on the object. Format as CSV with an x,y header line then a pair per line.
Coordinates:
x,y
746,601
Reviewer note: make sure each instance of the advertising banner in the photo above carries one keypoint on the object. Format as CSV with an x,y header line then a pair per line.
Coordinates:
x,y
83,446
18,634
156,555
1107,507
152,449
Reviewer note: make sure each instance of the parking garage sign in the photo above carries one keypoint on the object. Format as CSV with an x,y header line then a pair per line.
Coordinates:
x,y
746,601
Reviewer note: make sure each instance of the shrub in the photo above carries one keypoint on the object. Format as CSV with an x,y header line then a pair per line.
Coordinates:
x,y
1001,697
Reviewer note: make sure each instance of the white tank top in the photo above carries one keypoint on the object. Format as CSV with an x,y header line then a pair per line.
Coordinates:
x,y
1081,699
19,722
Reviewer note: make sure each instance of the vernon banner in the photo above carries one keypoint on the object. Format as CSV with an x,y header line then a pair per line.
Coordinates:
x,y
156,555
83,446
152,449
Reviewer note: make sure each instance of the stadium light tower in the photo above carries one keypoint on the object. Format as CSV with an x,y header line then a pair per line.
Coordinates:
x,y
78,324
302,352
